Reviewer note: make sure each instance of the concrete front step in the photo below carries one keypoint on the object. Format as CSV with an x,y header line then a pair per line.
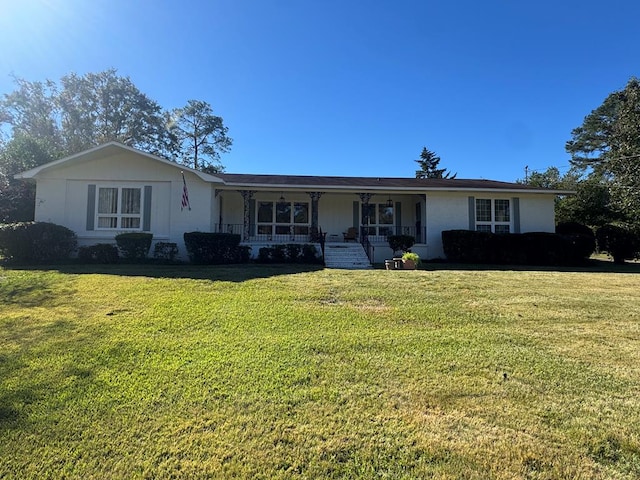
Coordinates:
x,y
345,255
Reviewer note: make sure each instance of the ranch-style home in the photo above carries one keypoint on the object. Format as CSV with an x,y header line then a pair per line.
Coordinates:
x,y
114,188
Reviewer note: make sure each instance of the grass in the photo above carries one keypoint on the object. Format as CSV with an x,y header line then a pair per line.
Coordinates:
x,y
278,372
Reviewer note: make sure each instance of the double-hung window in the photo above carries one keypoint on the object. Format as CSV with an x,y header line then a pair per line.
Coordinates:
x,y
493,215
119,208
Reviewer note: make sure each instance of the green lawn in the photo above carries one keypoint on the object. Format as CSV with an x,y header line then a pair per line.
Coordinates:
x,y
278,372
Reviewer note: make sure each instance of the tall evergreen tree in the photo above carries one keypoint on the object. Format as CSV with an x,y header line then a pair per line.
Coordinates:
x,y
200,136
608,142
428,163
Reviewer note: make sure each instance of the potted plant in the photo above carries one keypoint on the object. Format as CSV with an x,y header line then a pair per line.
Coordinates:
x,y
410,260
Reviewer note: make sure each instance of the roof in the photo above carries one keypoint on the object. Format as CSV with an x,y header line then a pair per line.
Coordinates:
x,y
107,150
301,182
375,183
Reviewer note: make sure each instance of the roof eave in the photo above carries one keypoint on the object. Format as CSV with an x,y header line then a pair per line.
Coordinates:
x,y
371,188
32,173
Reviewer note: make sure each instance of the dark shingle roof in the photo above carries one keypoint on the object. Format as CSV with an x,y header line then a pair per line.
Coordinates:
x,y
292,181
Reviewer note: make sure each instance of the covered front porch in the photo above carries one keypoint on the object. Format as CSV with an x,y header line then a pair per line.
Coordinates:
x,y
267,217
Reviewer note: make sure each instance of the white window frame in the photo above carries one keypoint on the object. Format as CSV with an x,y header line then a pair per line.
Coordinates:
x,y
494,224
119,215
377,228
273,226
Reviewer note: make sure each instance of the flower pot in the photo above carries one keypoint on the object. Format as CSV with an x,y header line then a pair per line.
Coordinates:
x,y
408,265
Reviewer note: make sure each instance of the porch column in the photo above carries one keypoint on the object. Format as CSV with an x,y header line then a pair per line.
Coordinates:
x,y
315,197
247,195
364,198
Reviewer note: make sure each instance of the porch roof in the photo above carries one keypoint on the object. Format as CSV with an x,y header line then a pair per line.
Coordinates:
x,y
278,182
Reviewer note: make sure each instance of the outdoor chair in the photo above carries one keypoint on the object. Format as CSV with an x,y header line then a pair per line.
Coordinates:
x,y
351,234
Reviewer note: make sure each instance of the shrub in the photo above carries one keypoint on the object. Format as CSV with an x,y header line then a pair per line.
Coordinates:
x,y
581,238
290,253
36,242
401,242
465,246
244,254
264,255
98,253
532,248
542,248
214,248
293,251
134,246
621,241
165,251
574,228
278,254
310,254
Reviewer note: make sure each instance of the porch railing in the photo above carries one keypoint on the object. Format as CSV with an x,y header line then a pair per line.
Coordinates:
x,y
255,236
369,249
378,234
369,235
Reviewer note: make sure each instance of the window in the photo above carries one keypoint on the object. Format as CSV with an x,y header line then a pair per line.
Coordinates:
x,y
119,208
493,215
378,218
283,218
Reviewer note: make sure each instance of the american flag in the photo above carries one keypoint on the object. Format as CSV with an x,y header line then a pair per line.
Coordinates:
x,y
185,194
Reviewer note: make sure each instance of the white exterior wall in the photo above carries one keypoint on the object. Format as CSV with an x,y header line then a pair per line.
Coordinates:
x,y
232,207
537,213
450,211
335,213
444,211
61,197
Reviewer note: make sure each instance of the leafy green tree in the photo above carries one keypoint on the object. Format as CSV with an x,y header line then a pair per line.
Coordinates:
x,y
550,178
32,109
100,107
47,120
84,111
17,198
200,136
590,205
608,142
428,163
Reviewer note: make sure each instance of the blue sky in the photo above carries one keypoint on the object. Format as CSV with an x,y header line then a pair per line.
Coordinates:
x,y
350,87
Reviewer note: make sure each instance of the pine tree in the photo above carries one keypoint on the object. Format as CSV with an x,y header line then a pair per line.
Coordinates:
x,y
429,162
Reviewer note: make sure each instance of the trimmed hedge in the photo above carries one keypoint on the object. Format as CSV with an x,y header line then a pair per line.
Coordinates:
x,y
290,253
621,241
134,246
165,251
36,242
215,248
99,253
533,248
401,242
581,236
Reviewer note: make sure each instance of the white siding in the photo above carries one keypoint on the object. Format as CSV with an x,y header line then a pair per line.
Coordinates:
x,y
62,196
335,213
537,213
450,211
445,211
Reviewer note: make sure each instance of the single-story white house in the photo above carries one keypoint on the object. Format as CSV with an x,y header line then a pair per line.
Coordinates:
x,y
114,188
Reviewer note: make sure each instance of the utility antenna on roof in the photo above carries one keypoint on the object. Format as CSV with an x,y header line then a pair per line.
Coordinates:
x,y
526,174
